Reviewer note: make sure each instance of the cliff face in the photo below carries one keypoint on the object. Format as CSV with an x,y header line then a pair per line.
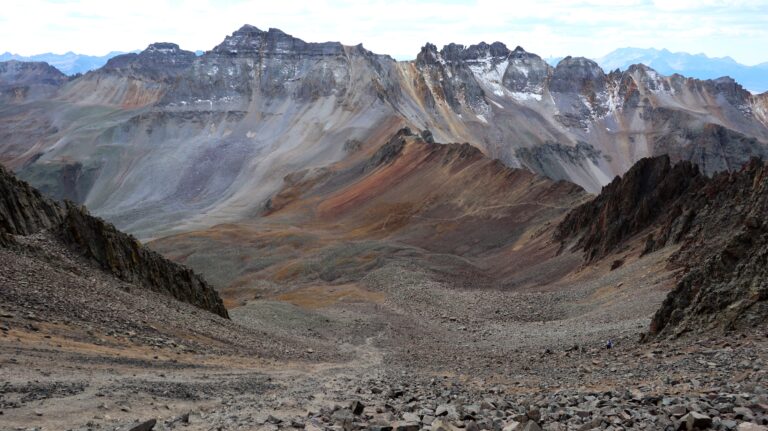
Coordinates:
x,y
718,223
725,253
159,62
651,191
25,211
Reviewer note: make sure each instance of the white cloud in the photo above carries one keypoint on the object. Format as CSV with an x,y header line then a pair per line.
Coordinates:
x,y
396,27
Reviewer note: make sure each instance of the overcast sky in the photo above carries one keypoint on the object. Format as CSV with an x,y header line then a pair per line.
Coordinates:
x,y
591,28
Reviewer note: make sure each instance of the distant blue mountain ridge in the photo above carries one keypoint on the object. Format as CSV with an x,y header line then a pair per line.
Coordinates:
x,y
700,66
753,78
70,63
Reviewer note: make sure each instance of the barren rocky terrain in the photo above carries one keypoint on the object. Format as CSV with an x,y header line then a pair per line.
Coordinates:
x,y
410,353
97,332
315,259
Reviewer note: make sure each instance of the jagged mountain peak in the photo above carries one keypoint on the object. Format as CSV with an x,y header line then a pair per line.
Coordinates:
x,y
520,53
638,67
248,28
251,41
577,74
571,122
698,66
428,55
458,53
159,60
581,62
716,222
163,48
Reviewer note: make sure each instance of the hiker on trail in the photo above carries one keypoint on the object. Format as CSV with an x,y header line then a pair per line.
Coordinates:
x,y
609,344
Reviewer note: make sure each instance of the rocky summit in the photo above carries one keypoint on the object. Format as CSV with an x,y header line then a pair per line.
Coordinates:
x,y
277,234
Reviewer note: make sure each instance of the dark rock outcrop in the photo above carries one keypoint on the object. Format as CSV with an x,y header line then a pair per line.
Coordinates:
x,y
451,66
651,190
457,53
390,150
123,256
428,56
718,223
712,147
145,426
725,254
544,158
251,63
25,211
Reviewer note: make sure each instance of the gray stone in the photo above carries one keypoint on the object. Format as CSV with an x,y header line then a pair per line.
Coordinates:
x,y
411,417
357,408
531,426
678,410
406,426
145,426
442,425
696,420
534,415
743,413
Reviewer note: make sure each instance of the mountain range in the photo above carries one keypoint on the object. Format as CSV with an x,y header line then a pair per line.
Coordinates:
x,y
699,66
69,63
166,140
753,78
391,257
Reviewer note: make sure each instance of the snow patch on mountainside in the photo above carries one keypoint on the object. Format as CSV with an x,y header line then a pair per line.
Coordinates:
x,y
489,72
524,97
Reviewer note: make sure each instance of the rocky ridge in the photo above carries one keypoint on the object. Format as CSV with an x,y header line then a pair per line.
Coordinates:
x,y
25,81
724,249
159,62
651,190
25,211
717,223
411,197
